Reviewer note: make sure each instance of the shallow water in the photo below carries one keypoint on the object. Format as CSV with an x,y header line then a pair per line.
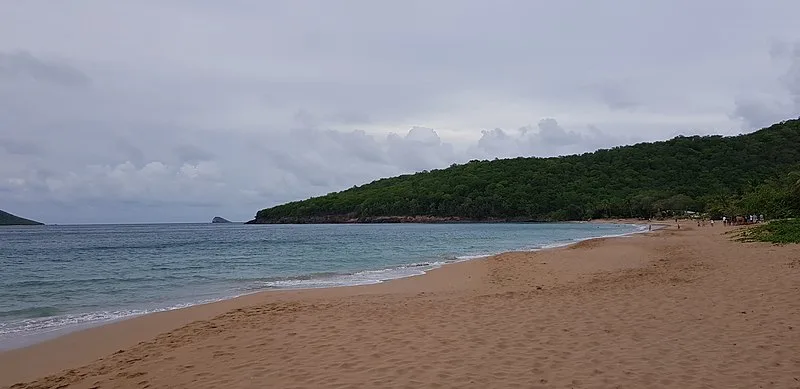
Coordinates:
x,y
55,278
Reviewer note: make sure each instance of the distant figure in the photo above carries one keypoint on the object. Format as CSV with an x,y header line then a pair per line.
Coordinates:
x,y
712,222
649,227
724,221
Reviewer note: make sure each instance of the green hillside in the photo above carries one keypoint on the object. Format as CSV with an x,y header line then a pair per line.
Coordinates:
x,y
722,175
7,219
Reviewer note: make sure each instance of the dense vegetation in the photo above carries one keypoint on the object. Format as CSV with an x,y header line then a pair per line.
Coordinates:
x,y
7,219
755,173
777,231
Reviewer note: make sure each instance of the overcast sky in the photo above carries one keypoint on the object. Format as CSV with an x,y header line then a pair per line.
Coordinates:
x,y
178,111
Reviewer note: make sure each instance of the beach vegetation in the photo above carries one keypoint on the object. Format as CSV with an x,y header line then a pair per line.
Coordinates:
x,y
780,231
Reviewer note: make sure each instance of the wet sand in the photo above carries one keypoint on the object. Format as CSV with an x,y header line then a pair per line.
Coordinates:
x,y
682,308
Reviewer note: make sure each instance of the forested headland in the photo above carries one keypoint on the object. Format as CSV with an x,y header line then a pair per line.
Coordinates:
x,y
7,219
756,173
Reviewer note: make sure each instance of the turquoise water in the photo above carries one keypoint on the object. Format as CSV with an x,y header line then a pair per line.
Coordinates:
x,y
58,278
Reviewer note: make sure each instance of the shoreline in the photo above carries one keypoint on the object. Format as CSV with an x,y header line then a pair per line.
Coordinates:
x,y
654,309
64,336
30,339
339,219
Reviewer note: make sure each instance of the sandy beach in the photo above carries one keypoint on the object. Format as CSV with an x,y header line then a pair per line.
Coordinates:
x,y
684,308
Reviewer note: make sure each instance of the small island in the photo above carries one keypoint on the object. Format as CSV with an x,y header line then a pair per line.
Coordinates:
x,y
7,219
218,219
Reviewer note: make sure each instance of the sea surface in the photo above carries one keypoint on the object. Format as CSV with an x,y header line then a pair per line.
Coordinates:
x,y
56,279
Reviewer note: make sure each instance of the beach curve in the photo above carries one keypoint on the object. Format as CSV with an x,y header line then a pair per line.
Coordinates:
x,y
641,311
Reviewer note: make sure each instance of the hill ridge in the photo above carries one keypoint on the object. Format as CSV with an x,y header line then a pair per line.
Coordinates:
x,y
702,173
7,219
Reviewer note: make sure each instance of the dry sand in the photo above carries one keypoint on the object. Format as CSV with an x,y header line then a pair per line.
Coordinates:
x,y
682,309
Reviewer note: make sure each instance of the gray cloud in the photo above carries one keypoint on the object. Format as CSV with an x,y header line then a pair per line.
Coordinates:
x,y
19,147
548,139
187,153
761,109
551,133
791,79
129,153
21,65
757,113
617,95
153,111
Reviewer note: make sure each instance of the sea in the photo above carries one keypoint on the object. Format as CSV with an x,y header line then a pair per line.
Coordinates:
x,y
57,279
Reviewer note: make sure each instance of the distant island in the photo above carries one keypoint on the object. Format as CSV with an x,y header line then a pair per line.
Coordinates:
x,y
7,219
756,173
218,219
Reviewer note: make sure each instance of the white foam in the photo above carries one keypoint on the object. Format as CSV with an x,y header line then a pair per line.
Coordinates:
x,y
640,228
365,277
462,258
27,331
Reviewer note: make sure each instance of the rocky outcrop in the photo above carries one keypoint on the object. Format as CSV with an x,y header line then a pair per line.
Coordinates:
x,y
218,219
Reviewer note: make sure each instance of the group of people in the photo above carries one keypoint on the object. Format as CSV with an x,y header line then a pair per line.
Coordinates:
x,y
734,221
739,220
726,221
